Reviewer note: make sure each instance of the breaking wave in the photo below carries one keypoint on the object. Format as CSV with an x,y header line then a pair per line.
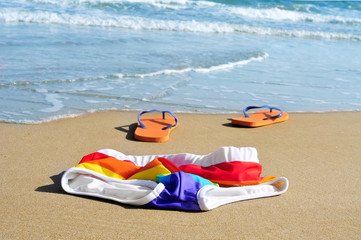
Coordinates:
x,y
142,23
277,14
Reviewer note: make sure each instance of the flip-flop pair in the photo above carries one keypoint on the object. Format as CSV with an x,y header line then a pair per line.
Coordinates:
x,y
157,129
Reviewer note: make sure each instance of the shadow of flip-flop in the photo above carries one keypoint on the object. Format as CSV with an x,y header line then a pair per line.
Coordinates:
x,y
129,129
230,124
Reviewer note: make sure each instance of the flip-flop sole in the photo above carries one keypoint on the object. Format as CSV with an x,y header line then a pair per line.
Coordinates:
x,y
256,119
153,131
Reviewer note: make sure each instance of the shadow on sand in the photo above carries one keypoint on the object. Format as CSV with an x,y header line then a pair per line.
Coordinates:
x,y
129,130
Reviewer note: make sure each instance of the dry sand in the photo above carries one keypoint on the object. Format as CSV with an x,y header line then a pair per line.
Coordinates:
x,y
320,154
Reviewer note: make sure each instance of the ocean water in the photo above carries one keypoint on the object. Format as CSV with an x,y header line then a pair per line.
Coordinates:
x,y
66,58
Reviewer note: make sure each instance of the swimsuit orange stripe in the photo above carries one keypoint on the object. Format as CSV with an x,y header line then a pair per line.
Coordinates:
x,y
151,164
126,170
122,168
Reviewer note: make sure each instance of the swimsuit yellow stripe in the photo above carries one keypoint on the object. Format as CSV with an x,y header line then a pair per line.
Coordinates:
x,y
151,174
101,170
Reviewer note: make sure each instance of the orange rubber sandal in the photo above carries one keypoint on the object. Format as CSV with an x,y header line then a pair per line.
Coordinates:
x,y
155,129
261,118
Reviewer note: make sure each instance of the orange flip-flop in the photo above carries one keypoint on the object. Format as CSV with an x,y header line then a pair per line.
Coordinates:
x,y
155,129
261,118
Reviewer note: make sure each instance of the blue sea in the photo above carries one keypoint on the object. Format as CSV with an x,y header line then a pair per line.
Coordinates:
x,y
65,58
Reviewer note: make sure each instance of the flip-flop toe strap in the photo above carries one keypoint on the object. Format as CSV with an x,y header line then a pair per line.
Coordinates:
x,y
264,106
156,110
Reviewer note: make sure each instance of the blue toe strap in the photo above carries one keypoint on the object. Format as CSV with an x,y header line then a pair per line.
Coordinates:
x,y
156,110
264,106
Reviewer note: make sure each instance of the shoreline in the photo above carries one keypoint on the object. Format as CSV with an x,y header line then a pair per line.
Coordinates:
x,y
318,152
233,114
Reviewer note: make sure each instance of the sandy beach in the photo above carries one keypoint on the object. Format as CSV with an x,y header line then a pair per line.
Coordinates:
x,y
319,153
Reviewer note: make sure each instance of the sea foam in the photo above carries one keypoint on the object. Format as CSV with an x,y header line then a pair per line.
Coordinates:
x,y
277,14
150,24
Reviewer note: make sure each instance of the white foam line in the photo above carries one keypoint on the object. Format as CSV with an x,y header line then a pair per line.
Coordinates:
x,y
231,64
157,3
139,23
297,33
277,14
201,70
